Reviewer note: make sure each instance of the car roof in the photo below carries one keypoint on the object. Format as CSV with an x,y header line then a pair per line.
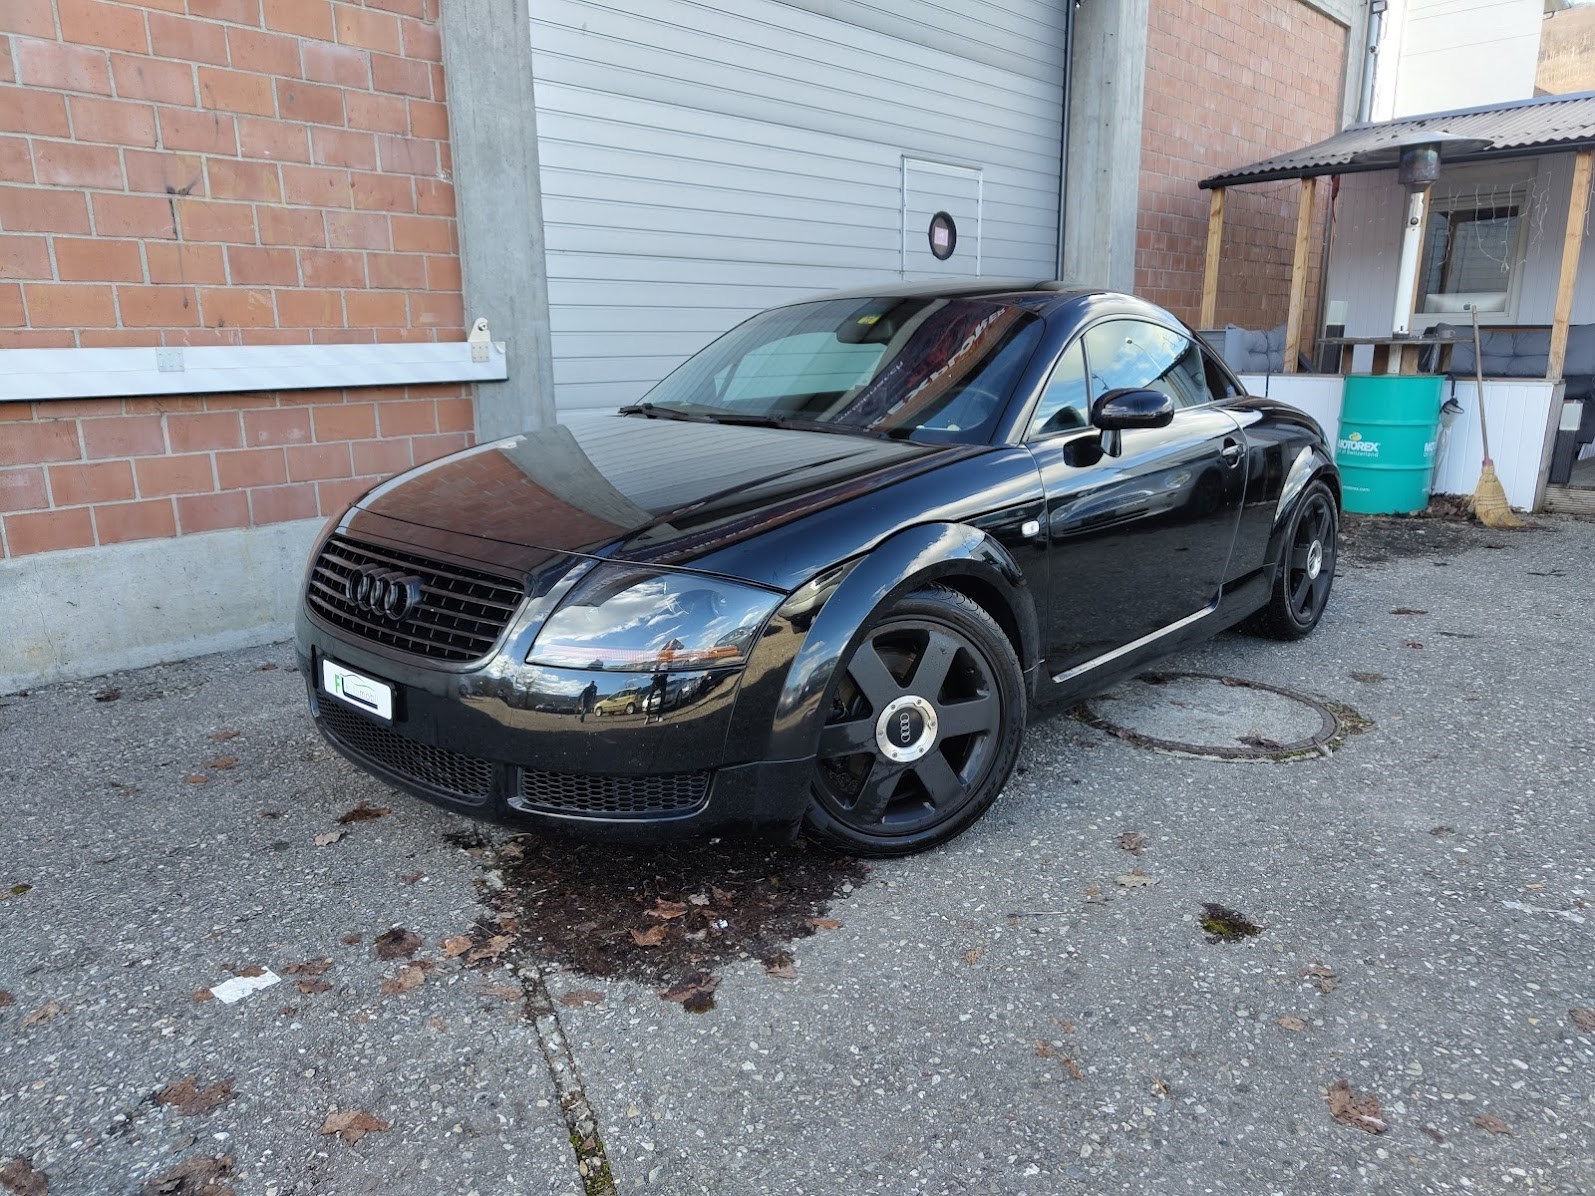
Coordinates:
x,y
1044,295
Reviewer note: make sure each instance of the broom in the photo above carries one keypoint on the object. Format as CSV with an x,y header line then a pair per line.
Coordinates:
x,y
1489,499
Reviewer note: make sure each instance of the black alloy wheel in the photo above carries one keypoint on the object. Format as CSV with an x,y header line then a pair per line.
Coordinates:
x,y
1307,572
924,726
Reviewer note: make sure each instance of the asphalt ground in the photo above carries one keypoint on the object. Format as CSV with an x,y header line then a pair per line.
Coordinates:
x,y
1033,1009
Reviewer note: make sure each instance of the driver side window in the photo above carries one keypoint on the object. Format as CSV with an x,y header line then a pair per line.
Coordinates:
x,y
1066,402
1134,355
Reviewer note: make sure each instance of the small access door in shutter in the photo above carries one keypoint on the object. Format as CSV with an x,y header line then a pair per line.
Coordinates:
x,y
941,219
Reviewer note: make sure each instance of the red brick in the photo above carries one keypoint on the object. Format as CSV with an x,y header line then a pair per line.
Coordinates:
x,y
266,53
202,220
114,26
162,404
14,337
409,8
133,216
315,186
350,421
234,178
381,457
97,481
437,309
317,462
22,489
368,30
332,269
313,103
443,273
358,230
197,432
237,91
202,132
307,18
279,504
423,234
32,18
164,476
428,119
97,259
378,113
262,267
187,40
148,520
291,226
400,76
430,448
16,165
160,173
276,426
49,531
342,336
15,411
408,417
212,512
29,110
35,443
24,257
113,122
421,40
193,265
151,79
237,307
239,12
377,309
340,147
67,164
456,415
343,65
273,140
69,305
251,467
381,192
123,436
12,314
62,67
340,493
396,271
310,309
157,306
407,155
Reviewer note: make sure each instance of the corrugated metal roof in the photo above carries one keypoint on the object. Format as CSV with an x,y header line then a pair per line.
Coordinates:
x,y
1516,129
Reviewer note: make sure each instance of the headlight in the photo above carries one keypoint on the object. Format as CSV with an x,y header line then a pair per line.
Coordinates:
x,y
633,619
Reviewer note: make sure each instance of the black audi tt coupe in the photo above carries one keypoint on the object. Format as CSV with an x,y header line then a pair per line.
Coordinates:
x,y
818,578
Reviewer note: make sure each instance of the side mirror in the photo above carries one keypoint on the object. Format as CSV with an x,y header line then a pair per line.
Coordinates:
x,y
1129,408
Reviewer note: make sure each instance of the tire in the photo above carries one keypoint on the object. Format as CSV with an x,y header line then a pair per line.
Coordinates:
x,y
631,708
1307,569
934,652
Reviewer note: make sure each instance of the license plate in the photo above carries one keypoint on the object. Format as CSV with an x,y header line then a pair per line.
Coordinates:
x,y
362,692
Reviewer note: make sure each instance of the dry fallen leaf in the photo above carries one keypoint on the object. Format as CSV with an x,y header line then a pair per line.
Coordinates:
x,y
1361,1110
396,943
720,895
196,778
108,695
502,992
201,1176
328,838
364,812
204,994
1327,980
6,999
667,909
972,956
353,1125
698,899
351,940
311,987
1133,842
44,1013
189,1099
409,878
219,736
1135,880
651,937
408,977
458,945
1495,1125
492,949
694,992
251,971
19,1178
1294,1024
222,763
310,967
1584,1019
578,997
1411,644
1045,1050
825,924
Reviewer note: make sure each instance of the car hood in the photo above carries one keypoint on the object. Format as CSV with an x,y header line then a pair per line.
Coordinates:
x,y
636,489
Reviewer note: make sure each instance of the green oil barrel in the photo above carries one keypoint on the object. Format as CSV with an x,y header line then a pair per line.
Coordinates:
x,y
1389,424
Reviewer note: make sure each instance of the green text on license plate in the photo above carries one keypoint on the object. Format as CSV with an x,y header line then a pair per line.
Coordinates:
x,y
358,690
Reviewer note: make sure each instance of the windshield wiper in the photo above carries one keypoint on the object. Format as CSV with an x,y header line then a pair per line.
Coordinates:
x,y
721,415
654,411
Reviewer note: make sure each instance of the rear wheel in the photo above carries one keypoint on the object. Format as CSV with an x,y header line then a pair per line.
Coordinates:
x,y
924,727
1307,572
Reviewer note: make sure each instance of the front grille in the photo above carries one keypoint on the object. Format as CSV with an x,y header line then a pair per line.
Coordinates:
x,y
612,797
462,613
463,776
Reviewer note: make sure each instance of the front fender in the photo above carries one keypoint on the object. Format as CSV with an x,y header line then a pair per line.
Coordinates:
x,y
833,611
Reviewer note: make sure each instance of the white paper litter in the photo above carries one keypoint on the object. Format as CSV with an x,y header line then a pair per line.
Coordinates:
x,y
239,987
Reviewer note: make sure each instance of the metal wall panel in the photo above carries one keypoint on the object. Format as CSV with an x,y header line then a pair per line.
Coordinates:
x,y
704,160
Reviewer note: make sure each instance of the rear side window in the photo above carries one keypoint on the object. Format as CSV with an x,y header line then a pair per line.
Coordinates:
x,y
1135,355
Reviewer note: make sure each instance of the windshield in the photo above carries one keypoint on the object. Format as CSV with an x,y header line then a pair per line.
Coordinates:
x,y
922,369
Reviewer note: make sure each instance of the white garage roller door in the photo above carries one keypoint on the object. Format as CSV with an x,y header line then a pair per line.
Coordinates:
x,y
700,163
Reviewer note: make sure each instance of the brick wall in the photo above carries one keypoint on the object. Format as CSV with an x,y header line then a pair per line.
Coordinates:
x,y
219,172
1229,84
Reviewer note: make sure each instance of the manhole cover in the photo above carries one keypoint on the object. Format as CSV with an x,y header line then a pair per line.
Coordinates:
x,y
1225,718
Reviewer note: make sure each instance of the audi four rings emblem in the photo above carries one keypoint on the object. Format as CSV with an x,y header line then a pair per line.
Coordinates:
x,y
383,592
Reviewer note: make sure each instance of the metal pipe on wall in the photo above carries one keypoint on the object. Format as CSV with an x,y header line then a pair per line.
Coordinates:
x,y
1063,135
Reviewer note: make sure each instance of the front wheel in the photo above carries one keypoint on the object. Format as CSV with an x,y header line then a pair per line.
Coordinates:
x,y
1307,571
924,726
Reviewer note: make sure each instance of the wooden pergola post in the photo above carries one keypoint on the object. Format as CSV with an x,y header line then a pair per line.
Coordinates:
x,y
1572,245
1215,241
1298,274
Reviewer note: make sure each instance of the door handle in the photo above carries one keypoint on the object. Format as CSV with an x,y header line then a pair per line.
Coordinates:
x,y
1231,452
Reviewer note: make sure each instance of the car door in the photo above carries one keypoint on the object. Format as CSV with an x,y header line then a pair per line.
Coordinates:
x,y
1137,543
